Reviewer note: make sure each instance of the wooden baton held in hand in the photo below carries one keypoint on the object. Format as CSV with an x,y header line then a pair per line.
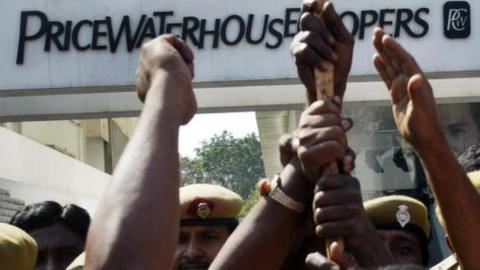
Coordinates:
x,y
324,85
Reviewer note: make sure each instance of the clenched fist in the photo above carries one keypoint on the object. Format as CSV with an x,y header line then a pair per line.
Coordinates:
x,y
165,74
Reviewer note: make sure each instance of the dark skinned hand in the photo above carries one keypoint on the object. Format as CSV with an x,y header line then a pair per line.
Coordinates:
x,y
340,260
321,135
412,98
320,42
166,68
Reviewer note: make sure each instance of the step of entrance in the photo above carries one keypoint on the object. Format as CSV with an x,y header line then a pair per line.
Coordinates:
x,y
4,192
8,199
7,212
8,205
4,219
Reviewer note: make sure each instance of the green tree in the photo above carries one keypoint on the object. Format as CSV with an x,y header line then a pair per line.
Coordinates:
x,y
191,171
235,163
250,202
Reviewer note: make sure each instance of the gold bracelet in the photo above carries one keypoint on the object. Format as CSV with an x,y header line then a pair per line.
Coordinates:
x,y
278,195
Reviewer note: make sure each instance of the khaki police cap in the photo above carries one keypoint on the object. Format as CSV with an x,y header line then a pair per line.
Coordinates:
x,y
78,263
208,203
475,179
18,250
399,212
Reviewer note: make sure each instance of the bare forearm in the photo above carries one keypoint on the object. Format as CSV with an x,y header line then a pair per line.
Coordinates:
x,y
263,245
134,225
264,238
457,199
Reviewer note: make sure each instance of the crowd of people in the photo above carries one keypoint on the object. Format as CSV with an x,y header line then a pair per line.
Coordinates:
x,y
306,218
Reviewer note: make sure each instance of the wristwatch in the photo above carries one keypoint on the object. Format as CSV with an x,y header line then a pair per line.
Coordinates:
x,y
278,195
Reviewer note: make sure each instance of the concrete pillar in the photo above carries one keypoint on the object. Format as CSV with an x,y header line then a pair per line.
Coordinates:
x,y
272,125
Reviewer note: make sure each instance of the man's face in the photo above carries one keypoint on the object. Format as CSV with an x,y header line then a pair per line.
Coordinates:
x,y
404,246
198,246
459,127
57,247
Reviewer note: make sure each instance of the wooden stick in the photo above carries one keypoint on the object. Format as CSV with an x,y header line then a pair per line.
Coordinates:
x,y
324,84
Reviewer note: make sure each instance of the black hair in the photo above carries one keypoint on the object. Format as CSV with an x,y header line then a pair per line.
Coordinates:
x,y
470,159
44,214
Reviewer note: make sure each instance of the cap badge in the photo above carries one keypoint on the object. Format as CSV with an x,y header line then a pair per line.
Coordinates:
x,y
403,216
200,208
203,210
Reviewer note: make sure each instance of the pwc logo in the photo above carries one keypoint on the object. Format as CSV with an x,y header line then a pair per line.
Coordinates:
x,y
456,19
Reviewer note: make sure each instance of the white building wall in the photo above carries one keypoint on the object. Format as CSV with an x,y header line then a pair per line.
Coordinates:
x,y
33,172
66,136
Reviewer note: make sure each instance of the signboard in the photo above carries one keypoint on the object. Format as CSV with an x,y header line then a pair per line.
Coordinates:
x,y
52,44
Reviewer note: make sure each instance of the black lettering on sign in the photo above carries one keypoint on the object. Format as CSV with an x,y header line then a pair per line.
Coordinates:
x,y
241,30
105,33
148,32
190,27
289,22
55,30
215,33
97,34
163,18
276,33
384,21
368,18
137,33
421,22
171,26
25,15
355,21
125,29
249,34
404,17
68,35
76,33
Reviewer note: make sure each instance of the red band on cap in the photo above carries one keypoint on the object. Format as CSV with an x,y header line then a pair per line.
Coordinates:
x,y
192,209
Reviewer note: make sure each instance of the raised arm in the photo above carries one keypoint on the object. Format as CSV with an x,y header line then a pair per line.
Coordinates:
x,y
136,223
415,115
271,230
320,42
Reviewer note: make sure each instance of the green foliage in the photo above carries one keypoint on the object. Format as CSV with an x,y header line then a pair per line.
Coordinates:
x,y
235,163
191,171
249,202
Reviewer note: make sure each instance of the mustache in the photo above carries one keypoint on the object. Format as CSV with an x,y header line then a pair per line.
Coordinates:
x,y
193,264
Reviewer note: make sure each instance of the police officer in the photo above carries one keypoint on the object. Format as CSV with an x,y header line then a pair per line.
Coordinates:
x,y
208,215
402,223
18,250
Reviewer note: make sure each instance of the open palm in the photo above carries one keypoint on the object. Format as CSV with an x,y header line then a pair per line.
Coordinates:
x,y
412,98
